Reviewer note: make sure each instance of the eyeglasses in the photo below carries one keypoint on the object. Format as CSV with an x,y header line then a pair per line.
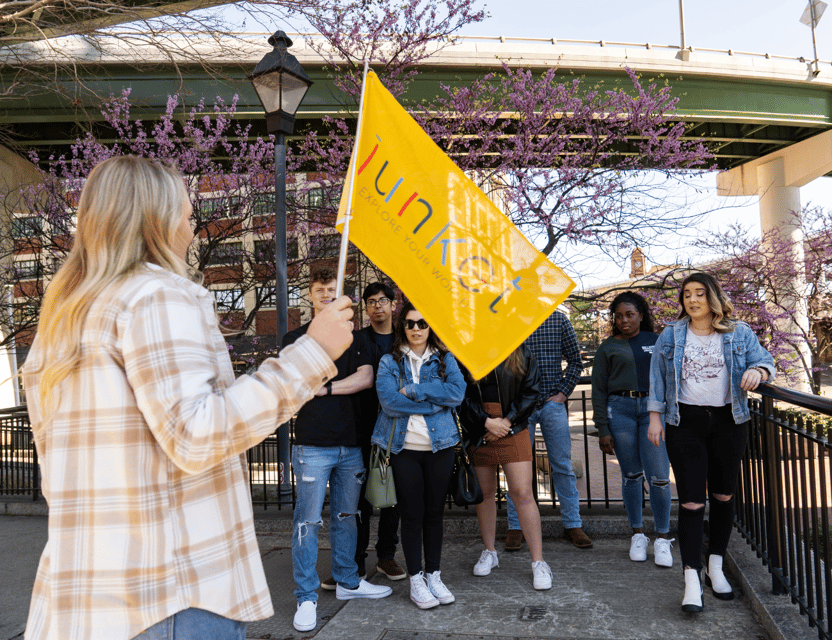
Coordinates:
x,y
410,325
381,302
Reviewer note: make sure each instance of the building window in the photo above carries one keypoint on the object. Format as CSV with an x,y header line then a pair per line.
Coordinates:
x,y
27,269
324,197
315,198
26,227
264,250
325,245
226,253
263,204
229,299
266,295
25,313
223,207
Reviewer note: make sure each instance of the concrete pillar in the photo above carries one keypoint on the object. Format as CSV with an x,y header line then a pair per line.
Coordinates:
x,y
776,178
778,204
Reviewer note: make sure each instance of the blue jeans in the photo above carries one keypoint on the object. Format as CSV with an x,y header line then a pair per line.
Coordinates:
x,y
195,624
343,468
639,458
554,425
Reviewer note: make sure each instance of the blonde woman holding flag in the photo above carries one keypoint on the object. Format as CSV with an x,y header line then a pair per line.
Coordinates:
x,y
141,426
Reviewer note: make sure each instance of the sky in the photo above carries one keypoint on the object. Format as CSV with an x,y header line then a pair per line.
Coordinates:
x,y
755,26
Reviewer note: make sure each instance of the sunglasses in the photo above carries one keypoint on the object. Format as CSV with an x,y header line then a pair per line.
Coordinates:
x,y
410,325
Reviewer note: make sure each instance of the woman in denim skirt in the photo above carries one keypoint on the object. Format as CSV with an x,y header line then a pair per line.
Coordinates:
x,y
620,385
703,365
419,384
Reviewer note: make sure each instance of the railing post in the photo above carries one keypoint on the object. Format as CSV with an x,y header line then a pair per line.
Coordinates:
x,y
772,483
35,467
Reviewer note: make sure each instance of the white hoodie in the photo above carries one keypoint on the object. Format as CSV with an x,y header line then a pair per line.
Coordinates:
x,y
417,436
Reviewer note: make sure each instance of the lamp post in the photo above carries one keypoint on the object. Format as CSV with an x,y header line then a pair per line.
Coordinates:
x,y
281,84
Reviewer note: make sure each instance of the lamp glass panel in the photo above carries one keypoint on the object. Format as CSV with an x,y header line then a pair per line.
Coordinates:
x,y
268,90
293,91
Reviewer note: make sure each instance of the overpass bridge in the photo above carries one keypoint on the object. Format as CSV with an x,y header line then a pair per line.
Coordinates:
x,y
746,105
767,119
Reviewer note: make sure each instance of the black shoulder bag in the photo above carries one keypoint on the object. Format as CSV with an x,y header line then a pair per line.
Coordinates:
x,y
464,488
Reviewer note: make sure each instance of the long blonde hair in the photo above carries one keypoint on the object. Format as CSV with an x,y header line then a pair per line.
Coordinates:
x,y
128,214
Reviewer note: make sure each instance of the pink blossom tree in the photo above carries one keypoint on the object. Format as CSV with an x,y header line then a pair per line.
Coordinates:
x,y
228,174
577,165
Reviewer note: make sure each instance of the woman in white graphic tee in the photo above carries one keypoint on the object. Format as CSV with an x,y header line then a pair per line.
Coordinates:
x,y
703,364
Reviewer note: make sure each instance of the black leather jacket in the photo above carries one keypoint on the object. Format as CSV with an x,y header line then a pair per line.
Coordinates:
x,y
518,398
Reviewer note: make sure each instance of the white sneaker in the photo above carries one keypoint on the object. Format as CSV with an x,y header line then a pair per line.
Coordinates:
x,y
438,589
306,617
488,560
638,547
420,594
661,552
364,590
542,575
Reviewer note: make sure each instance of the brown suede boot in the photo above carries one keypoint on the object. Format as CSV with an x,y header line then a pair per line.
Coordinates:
x,y
514,540
577,537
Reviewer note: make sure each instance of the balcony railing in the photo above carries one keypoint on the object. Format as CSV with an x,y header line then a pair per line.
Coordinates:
x,y
784,501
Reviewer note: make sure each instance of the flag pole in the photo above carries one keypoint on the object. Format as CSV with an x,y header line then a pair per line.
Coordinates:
x,y
345,234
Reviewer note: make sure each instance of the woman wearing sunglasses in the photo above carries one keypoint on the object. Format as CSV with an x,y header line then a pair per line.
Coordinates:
x,y
419,384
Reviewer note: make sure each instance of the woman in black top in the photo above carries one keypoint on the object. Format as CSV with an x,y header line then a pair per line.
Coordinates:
x,y
620,386
495,415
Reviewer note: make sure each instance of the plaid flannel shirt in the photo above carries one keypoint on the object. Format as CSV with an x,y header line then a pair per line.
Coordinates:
x,y
144,467
551,343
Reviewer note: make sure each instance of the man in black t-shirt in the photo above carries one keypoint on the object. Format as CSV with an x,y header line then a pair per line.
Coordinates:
x,y
327,450
379,301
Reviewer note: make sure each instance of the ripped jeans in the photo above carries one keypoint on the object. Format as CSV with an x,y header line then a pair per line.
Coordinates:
x,y
639,458
343,468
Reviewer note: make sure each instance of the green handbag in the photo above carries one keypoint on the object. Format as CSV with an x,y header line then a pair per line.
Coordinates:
x,y
381,490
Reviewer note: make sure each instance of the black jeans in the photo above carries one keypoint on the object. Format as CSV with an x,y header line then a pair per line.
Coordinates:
x,y
705,450
388,527
422,479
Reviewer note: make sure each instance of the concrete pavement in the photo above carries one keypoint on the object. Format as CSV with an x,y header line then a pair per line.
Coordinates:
x,y
598,594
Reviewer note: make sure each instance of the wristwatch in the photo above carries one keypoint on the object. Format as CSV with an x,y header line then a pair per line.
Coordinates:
x,y
328,386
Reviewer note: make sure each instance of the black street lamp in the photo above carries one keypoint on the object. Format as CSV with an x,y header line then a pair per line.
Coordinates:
x,y
281,84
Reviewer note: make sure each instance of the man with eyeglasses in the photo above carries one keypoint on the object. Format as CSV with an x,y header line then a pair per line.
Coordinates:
x,y
379,301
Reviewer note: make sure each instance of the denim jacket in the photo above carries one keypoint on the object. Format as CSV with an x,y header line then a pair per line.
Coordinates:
x,y
740,349
431,397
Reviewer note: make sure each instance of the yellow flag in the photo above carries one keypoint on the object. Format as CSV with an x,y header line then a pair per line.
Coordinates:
x,y
477,280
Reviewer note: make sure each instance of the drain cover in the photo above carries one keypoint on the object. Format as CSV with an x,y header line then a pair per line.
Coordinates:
x,y
533,613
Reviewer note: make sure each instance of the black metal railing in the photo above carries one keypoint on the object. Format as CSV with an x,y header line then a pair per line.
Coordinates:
x,y
783,497
19,470
599,477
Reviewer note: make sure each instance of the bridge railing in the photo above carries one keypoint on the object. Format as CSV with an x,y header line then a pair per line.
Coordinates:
x,y
554,41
